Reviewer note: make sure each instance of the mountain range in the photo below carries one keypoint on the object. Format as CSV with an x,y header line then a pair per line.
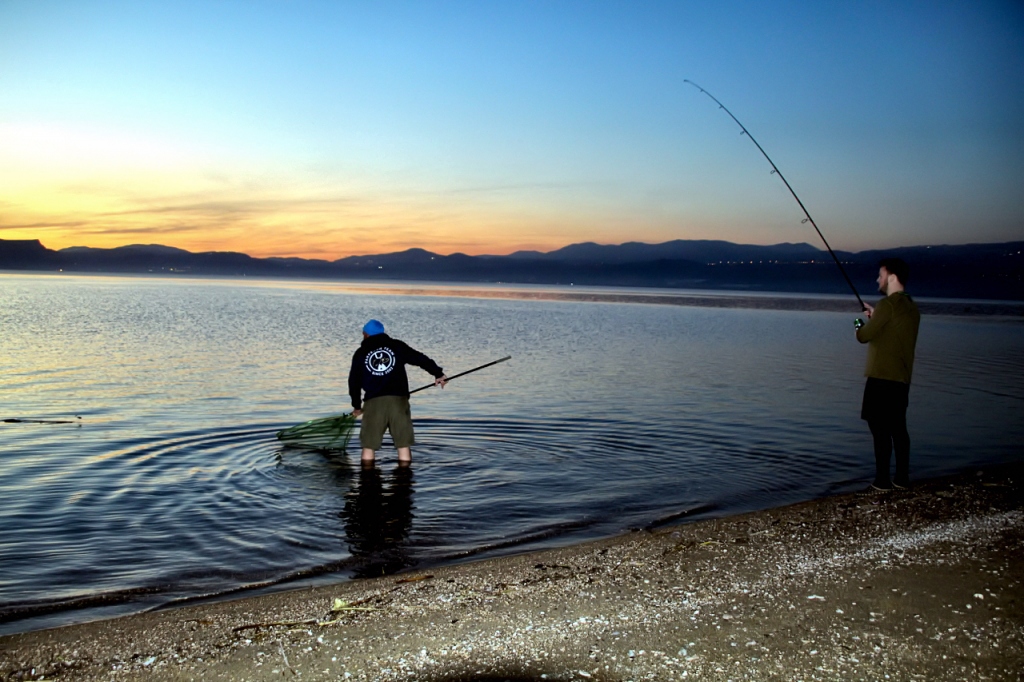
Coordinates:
x,y
987,271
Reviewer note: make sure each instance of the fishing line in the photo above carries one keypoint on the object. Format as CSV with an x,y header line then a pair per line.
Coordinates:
x,y
776,171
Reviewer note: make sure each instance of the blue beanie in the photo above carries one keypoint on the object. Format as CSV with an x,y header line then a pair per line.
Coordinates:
x,y
373,327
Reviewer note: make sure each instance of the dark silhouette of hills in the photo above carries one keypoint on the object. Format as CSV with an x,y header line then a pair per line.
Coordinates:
x,y
698,250
990,271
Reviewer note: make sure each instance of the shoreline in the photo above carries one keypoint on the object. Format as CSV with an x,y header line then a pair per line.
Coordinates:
x,y
697,298
923,584
712,298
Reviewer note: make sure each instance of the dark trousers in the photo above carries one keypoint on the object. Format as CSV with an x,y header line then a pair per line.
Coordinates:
x,y
885,410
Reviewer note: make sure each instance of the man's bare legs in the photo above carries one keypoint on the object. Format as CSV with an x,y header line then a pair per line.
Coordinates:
x,y
404,455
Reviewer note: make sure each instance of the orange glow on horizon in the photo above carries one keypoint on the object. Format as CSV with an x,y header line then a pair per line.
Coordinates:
x,y
286,223
273,246
284,236
81,187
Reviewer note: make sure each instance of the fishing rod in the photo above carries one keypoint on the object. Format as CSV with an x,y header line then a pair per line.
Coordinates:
x,y
40,421
776,171
462,374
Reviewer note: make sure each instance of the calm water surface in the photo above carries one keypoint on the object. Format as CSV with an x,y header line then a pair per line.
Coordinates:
x,y
609,416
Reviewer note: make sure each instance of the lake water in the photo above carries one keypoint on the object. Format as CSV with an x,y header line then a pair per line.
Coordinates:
x,y
609,416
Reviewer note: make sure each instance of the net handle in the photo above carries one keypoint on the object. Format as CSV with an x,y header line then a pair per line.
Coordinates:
x,y
462,374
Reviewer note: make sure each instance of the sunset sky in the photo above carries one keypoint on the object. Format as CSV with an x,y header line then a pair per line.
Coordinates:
x,y
327,129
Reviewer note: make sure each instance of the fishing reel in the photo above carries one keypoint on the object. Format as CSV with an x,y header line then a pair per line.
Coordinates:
x,y
858,323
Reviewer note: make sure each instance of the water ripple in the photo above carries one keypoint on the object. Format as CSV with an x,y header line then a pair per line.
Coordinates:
x,y
610,416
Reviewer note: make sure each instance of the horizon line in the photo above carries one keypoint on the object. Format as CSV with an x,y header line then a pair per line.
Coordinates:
x,y
500,255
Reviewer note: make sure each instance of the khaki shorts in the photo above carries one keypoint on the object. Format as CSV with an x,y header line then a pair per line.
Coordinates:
x,y
386,412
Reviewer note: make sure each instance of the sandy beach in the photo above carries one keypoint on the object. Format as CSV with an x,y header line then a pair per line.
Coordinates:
x,y
923,584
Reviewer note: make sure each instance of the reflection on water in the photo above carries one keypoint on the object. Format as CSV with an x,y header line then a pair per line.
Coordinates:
x,y
609,416
378,516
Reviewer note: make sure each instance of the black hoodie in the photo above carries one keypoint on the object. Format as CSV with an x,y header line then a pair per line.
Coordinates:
x,y
378,368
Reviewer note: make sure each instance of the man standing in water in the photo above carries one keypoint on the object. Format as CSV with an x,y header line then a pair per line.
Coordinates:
x,y
378,370
891,335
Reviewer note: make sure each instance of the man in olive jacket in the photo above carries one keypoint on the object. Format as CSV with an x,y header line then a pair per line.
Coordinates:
x,y
379,389
891,335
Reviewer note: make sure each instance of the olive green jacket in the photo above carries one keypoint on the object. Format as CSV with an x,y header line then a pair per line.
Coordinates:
x,y
891,335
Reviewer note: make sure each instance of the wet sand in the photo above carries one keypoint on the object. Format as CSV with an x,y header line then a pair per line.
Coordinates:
x,y
924,584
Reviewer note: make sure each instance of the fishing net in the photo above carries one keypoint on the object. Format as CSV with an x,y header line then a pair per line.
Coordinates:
x,y
334,433
327,433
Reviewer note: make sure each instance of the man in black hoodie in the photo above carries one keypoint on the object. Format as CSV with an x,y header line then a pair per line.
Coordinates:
x,y
378,371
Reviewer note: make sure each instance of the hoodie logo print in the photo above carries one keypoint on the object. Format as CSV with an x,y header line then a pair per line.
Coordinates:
x,y
380,361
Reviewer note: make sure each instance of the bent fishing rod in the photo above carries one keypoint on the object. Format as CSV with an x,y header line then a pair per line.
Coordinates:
x,y
462,374
776,171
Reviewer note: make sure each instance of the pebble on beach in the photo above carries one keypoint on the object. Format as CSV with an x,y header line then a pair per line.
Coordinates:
x,y
915,585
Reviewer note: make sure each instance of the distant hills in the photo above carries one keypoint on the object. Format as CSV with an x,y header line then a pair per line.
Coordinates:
x,y
990,271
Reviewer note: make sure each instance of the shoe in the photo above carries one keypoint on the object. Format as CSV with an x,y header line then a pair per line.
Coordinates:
x,y
874,490
901,486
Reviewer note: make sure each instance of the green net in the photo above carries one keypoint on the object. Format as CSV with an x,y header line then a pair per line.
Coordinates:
x,y
327,433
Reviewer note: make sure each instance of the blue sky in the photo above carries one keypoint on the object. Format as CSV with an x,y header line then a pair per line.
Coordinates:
x,y
330,128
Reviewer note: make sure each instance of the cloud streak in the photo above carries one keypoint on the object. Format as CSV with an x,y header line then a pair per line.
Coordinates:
x,y
324,226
